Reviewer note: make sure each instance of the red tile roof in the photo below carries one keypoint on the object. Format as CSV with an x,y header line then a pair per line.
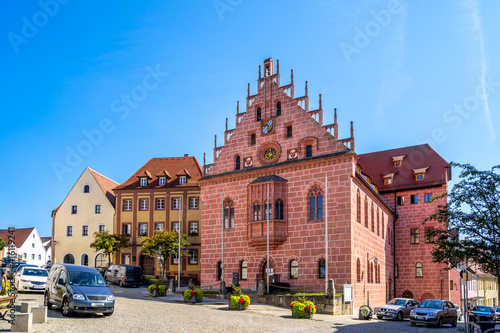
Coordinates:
x,y
20,234
106,185
381,163
187,165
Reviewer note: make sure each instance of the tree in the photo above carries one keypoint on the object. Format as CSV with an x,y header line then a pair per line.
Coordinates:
x,y
2,244
162,245
109,243
472,220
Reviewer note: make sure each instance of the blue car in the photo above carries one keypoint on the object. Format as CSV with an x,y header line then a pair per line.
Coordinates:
x,y
80,289
483,311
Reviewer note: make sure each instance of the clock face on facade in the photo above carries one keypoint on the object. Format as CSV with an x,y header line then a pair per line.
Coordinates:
x,y
269,154
267,126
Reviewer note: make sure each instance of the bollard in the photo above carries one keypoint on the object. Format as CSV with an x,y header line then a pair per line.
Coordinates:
x,y
23,323
39,314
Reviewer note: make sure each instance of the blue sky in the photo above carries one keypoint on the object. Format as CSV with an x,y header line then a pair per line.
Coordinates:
x,y
110,85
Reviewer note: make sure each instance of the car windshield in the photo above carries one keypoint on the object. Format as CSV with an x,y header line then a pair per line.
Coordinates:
x,y
431,304
35,272
396,301
483,308
86,279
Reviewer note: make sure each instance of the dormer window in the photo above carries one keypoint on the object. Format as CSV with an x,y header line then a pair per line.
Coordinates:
x,y
162,181
388,179
144,181
420,173
398,160
182,180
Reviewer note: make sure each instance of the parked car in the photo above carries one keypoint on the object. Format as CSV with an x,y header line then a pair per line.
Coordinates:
x,y
434,312
81,289
497,313
483,311
459,312
397,308
29,278
6,261
15,266
124,275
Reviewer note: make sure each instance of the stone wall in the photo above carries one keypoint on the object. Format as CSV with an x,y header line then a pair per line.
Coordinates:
x,y
324,304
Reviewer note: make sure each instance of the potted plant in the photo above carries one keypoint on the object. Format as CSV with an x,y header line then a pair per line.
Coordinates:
x,y
302,308
157,289
365,312
238,301
193,295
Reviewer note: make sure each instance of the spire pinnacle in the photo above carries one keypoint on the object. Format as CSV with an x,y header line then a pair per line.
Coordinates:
x,y
320,103
237,107
248,90
259,72
335,116
226,124
306,88
352,130
277,66
291,77
215,141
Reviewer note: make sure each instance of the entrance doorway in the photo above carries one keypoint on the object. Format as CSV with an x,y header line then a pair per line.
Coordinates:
x,y
147,265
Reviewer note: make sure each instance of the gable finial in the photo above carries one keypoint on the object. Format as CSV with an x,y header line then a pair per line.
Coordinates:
x,y
237,107
320,103
259,73
248,90
352,130
306,88
335,116
204,159
215,141
277,66
226,124
291,78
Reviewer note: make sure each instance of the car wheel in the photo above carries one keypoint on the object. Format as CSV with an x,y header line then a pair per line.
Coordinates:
x,y
440,322
412,323
46,301
380,317
107,314
120,283
400,316
65,310
454,323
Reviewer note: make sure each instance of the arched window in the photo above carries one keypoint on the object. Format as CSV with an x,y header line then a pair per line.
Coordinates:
x,y
418,270
373,219
86,189
278,108
322,268
358,207
358,270
256,211
366,212
268,210
228,214
243,270
100,260
316,204
84,260
69,259
309,151
294,269
279,210
238,160
219,270
259,113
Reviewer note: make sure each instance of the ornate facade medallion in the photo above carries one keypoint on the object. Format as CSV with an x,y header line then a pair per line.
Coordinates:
x,y
292,154
248,162
268,126
269,152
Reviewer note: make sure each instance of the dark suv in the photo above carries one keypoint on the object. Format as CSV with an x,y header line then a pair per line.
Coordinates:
x,y
81,289
124,275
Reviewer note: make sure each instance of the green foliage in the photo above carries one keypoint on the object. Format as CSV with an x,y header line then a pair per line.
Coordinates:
x,y
151,288
148,280
5,291
188,293
109,243
365,311
2,244
163,244
157,285
301,307
472,221
162,289
236,300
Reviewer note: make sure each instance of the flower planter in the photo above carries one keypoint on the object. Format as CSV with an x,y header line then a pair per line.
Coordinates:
x,y
363,316
193,299
239,308
306,316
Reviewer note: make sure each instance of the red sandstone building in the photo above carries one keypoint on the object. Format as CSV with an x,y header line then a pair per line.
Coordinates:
x,y
320,192
153,199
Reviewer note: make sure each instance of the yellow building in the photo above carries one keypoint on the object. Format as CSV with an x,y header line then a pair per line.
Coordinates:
x,y
160,193
89,207
487,289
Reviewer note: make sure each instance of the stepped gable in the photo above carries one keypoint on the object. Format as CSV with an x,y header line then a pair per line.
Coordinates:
x,y
414,159
164,167
276,123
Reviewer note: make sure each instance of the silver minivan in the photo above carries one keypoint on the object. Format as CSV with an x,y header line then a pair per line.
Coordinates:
x,y
80,289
